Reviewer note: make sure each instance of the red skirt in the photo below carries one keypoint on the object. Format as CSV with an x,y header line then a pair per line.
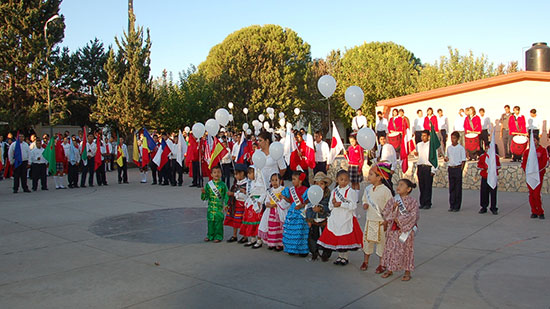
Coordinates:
x,y
234,218
351,241
251,222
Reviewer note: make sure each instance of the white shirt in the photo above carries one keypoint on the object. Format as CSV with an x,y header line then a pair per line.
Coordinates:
x,y
387,153
235,151
534,123
227,159
113,147
443,123
37,156
66,149
456,155
340,221
485,122
25,152
419,124
321,151
423,149
90,148
125,151
459,123
379,195
381,125
358,122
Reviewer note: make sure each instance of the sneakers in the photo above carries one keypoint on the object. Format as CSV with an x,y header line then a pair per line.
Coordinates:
x,y
494,211
533,216
482,211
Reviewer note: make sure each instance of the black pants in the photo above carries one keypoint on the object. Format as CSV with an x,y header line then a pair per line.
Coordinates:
x,y
73,175
20,176
455,187
39,173
425,181
226,174
443,139
177,173
123,171
165,173
100,174
417,137
380,133
314,234
88,169
486,192
196,173
506,140
320,167
484,139
154,171
536,131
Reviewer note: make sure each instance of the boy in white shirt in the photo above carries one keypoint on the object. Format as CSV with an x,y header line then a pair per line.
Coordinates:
x,y
443,123
459,125
425,171
38,165
485,127
533,123
456,159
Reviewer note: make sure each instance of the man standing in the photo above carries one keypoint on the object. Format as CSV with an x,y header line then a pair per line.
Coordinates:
x,y
89,164
381,125
74,158
38,165
123,170
418,126
533,123
505,131
358,121
321,153
19,153
485,128
459,125
443,123
153,165
425,171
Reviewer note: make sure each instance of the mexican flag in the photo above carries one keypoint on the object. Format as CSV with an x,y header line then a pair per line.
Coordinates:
x,y
84,148
49,155
434,145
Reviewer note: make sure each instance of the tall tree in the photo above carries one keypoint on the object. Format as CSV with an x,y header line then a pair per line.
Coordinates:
x,y
23,51
126,100
257,67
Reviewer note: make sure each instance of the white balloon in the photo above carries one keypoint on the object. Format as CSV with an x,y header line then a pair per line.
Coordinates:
x,y
245,110
187,129
276,150
271,116
198,130
315,194
297,111
282,122
258,125
222,116
266,125
366,138
289,126
270,110
270,130
326,85
230,117
354,96
230,105
248,131
261,117
245,126
258,159
212,127
281,115
254,122
257,132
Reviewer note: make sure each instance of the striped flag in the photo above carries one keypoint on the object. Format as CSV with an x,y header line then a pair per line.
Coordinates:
x,y
218,153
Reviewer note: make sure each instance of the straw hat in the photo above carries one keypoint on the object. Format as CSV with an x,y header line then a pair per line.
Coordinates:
x,y
320,176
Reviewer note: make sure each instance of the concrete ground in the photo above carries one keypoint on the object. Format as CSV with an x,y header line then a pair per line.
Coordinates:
x,y
118,247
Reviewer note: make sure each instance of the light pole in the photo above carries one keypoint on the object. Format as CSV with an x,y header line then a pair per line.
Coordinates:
x,y
48,72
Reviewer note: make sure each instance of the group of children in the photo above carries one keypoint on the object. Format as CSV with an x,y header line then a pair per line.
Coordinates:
x,y
284,219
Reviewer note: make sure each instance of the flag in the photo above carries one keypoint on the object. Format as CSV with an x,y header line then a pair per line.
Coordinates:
x,y
17,156
532,168
434,145
218,153
119,152
162,154
289,147
336,145
182,148
243,149
310,151
407,146
49,155
84,149
145,151
492,178
97,159
150,141
1,157
135,151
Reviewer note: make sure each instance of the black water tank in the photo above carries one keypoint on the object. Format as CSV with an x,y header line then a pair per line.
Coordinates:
x,y
537,58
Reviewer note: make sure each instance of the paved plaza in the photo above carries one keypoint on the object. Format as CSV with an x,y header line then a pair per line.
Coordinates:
x,y
140,246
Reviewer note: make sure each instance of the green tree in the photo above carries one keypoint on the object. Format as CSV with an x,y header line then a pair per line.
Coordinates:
x,y
126,100
383,70
23,51
257,67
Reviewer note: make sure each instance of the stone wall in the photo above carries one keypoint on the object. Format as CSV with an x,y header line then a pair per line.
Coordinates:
x,y
511,177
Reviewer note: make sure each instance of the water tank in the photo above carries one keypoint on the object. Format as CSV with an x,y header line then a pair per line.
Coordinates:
x,y
537,58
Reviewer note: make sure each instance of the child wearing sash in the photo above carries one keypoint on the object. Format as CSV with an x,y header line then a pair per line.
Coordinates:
x,y
401,217
253,208
375,197
237,197
316,217
215,192
274,215
343,232
295,229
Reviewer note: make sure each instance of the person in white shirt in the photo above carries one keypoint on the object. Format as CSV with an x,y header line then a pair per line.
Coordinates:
x,y
418,126
459,125
456,159
322,151
386,153
38,165
123,170
358,121
236,148
425,171
485,128
20,172
227,164
443,123
88,164
533,123
74,159
381,125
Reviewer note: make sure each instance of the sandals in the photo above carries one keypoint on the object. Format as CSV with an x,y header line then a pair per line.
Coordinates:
x,y
380,269
206,239
278,249
217,241
232,239
406,277
387,274
344,262
364,266
338,261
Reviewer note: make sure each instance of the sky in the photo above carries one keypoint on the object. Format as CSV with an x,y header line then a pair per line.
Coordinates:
x,y
183,32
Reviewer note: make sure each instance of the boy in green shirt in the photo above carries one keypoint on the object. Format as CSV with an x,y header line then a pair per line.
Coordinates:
x,y
215,192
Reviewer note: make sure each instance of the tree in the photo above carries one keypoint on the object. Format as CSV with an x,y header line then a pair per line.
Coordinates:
x,y
126,101
257,67
383,70
23,51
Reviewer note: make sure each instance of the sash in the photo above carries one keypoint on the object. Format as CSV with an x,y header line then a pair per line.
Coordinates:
x,y
393,123
295,196
402,210
471,123
215,189
517,124
340,196
371,202
274,197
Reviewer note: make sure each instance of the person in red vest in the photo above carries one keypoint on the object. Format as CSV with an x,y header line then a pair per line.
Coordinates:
x,y
60,162
356,158
472,124
516,125
302,159
396,123
193,157
535,198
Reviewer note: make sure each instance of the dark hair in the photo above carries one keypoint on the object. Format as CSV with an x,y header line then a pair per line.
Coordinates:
x,y
535,136
379,113
342,172
506,106
426,132
419,111
319,133
456,134
439,110
408,183
379,137
265,136
482,110
297,173
517,107
533,111
217,167
239,171
276,174
401,110
430,109
249,169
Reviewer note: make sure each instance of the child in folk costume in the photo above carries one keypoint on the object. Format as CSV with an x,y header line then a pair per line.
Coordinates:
x,y
215,192
316,217
401,217
271,225
356,158
295,232
253,207
375,198
343,232
237,197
